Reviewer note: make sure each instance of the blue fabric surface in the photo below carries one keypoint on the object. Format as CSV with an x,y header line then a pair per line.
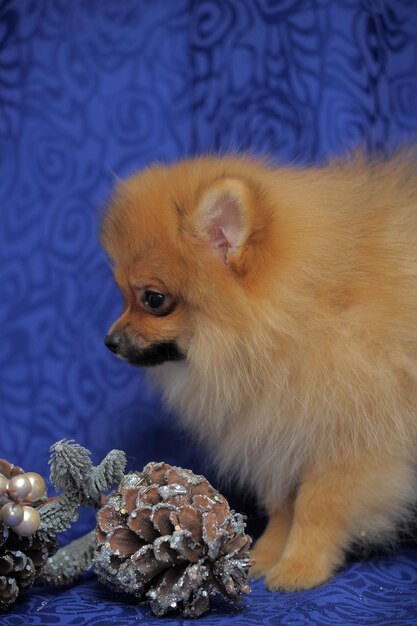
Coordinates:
x,y
381,592
90,89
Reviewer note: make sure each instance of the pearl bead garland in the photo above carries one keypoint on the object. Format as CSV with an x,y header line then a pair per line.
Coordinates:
x,y
19,487
19,492
30,522
4,485
38,487
11,514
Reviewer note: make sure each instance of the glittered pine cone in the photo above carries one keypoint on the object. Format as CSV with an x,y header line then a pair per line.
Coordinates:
x,y
21,562
168,536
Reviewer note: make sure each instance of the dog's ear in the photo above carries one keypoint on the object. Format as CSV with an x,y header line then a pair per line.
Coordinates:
x,y
223,216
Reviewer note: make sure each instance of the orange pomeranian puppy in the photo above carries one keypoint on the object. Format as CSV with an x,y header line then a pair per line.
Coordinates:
x,y
278,307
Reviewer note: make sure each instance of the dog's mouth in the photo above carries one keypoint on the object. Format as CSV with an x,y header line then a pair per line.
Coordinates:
x,y
155,354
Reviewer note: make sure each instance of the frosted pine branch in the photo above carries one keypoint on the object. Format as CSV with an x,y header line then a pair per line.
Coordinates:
x,y
81,482
70,562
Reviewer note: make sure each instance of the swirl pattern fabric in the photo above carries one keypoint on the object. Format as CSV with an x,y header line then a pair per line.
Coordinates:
x,y
92,89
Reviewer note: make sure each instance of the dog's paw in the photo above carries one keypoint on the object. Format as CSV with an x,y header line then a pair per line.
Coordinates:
x,y
296,575
264,561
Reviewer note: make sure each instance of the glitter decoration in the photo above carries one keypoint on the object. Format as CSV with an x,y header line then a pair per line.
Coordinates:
x,y
166,535
26,550
22,554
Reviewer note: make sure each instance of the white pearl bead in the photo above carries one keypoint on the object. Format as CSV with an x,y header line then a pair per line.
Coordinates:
x,y
19,487
30,523
4,485
38,489
11,514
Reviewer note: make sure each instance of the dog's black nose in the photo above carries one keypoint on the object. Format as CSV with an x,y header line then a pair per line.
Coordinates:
x,y
113,342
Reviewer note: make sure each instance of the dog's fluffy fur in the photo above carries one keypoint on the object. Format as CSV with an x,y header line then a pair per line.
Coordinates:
x,y
296,308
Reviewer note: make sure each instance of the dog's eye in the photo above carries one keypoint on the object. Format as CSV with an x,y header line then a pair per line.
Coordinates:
x,y
153,299
157,303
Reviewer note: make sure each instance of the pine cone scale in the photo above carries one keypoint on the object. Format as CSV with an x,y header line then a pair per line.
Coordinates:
x,y
182,541
8,591
190,518
124,542
150,496
108,518
155,473
9,470
27,575
160,518
140,523
163,551
39,556
129,500
146,563
6,564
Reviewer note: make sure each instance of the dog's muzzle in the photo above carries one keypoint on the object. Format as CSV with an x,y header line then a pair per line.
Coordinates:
x,y
154,354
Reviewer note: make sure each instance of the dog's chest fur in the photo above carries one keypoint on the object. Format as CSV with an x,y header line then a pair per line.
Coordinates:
x,y
248,444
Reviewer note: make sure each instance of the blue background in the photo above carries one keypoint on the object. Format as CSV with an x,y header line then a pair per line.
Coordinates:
x,y
93,89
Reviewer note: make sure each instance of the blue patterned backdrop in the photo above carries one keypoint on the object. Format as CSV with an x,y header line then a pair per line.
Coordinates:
x,y
93,89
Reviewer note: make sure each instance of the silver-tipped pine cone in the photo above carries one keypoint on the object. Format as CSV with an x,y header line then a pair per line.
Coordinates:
x,y
21,558
169,537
